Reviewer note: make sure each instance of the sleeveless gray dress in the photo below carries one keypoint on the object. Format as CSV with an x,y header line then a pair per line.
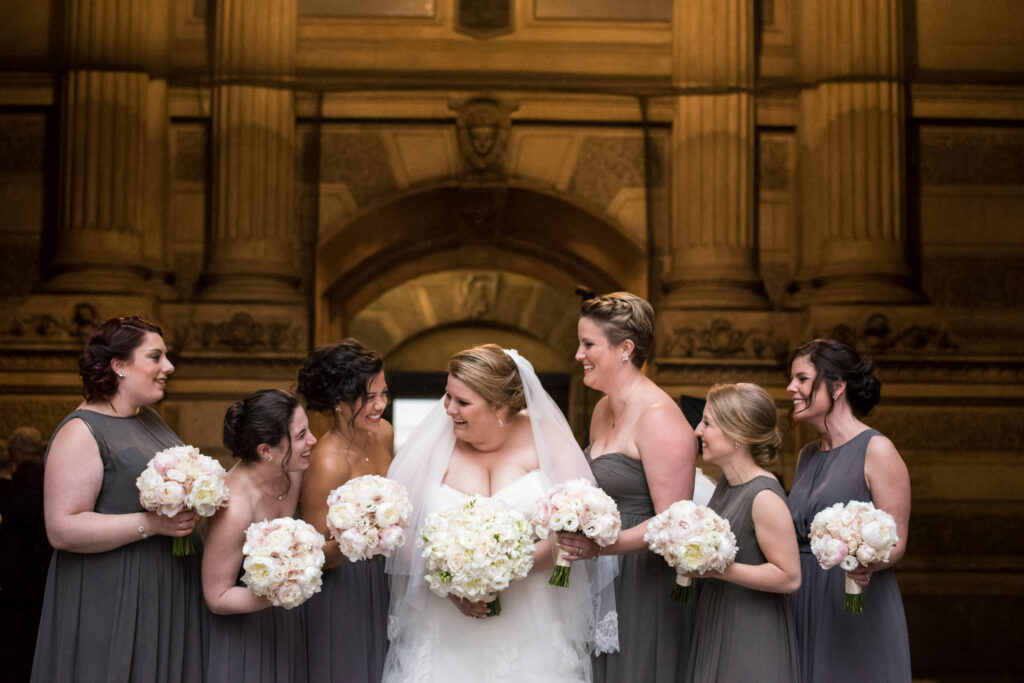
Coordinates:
x,y
134,613
261,647
742,634
871,646
347,623
654,632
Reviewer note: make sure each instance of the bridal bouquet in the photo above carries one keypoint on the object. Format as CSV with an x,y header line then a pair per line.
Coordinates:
x,y
283,561
576,506
474,548
852,535
367,516
181,477
691,538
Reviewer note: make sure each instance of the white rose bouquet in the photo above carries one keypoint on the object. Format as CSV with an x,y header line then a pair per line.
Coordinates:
x,y
852,535
283,561
181,477
576,506
367,516
474,548
691,538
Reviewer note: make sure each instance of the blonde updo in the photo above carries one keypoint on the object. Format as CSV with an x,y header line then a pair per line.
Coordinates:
x,y
492,373
746,413
622,316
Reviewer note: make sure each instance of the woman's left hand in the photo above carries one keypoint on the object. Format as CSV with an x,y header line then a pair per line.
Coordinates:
x,y
577,546
862,575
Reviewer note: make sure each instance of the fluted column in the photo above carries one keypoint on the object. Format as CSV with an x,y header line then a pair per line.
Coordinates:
x,y
713,258
104,110
253,252
855,119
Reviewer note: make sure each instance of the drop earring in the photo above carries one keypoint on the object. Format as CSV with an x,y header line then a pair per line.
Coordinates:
x,y
270,458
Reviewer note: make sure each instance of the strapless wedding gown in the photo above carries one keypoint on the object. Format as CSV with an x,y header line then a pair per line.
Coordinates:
x,y
528,642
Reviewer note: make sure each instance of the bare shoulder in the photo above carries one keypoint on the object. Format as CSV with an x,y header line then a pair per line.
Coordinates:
x,y
882,450
659,411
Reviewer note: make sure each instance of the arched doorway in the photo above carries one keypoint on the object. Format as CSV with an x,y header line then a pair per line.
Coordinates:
x,y
442,269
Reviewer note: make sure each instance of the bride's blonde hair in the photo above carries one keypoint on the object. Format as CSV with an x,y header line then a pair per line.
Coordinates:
x,y
492,373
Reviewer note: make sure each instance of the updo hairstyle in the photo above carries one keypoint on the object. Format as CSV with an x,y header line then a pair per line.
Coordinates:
x,y
835,361
116,338
261,417
746,413
338,373
492,373
622,316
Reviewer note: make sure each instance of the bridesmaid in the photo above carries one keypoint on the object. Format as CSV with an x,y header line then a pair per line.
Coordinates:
x,y
118,606
268,433
744,629
832,388
642,454
347,622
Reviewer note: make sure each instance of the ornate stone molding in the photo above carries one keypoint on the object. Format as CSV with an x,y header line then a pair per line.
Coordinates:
x,y
877,335
45,327
721,340
241,334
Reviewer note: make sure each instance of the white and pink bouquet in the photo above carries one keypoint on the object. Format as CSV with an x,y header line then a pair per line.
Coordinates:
x,y
178,478
851,535
691,538
474,548
284,559
367,516
576,506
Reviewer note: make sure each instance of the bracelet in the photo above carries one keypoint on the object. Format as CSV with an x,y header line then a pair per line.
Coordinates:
x,y
143,532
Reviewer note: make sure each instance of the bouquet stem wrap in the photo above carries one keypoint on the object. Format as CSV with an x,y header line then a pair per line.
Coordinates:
x,y
854,603
560,574
683,590
183,546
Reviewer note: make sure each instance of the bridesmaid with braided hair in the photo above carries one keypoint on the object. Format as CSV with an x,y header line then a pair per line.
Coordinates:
x,y
832,388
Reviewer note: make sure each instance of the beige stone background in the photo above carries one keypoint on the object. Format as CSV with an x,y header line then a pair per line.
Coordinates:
x,y
263,176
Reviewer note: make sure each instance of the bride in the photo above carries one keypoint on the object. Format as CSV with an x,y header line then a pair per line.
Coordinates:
x,y
496,433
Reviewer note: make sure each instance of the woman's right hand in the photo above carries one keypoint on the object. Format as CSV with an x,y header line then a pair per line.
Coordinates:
x,y
180,524
477,610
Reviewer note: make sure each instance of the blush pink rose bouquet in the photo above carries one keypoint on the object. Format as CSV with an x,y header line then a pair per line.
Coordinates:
x,y
178,478
691,538
851,535
367,516
576,506
474,548
283,562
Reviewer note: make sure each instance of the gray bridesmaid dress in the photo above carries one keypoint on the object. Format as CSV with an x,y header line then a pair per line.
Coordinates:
x,y
268,646
742,634
834,645
654,632
346,624
134,613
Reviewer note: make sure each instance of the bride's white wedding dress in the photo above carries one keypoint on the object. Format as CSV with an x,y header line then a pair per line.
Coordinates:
x,y
528,642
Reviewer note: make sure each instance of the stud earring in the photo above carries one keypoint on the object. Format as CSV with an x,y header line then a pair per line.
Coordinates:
x,y
500,423
270,458
835,396
121,375
625,358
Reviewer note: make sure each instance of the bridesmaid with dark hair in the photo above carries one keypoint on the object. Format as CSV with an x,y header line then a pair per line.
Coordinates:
x,y
119,606
832,388
269,434
347,621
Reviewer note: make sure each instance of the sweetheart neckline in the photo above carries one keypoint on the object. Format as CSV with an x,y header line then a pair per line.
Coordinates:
x,y
508,485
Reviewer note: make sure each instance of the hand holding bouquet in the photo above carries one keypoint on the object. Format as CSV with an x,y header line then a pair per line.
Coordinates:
x,y
283,561
576,506
691,538
181,477
852,535
367,516
474,548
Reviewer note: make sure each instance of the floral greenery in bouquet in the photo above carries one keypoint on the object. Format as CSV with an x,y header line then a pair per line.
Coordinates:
x,y
474,548
691,538
367,516
851,535
178,478
576,506
283,562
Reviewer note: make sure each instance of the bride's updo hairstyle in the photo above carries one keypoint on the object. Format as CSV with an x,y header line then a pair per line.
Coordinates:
x,y
746,413
835,361
492,373
116,338
622,316
338,373
261,417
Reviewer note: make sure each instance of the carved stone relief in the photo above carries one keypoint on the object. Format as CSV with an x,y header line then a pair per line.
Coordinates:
x,y
482,129
605,166
45,327
720,339
877,335
242,333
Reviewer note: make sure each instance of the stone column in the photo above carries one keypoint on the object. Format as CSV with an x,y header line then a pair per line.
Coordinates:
x,y
253,251
854,124
713,257
104,124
